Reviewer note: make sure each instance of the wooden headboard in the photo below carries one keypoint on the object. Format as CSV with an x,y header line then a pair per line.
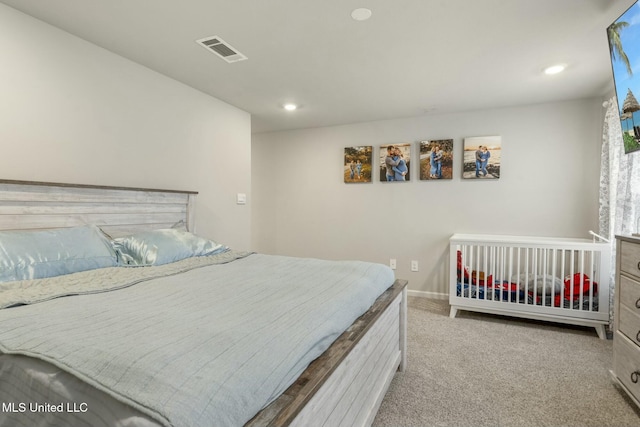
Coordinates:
x,y
118,211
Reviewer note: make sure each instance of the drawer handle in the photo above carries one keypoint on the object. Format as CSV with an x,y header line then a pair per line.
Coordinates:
x,y
634,377
638,303
638,336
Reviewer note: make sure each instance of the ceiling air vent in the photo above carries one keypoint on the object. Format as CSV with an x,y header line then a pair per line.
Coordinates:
x,y
221,48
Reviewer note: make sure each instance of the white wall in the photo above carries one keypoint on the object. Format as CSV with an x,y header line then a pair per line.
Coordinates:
x,y
75,113
548,186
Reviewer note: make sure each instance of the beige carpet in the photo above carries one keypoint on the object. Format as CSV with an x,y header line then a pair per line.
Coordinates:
x,y
483,370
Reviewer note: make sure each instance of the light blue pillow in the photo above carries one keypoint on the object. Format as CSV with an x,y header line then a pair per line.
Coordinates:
x,y
38,254
159,247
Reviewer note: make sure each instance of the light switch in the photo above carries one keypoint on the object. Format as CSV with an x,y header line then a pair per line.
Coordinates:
x,y
241,199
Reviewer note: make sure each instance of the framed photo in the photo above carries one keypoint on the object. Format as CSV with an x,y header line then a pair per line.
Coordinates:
x,y
358,164
482,157
436,159
625,53
395,160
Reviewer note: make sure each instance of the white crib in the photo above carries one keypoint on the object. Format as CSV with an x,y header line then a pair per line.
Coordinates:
x,y
554,279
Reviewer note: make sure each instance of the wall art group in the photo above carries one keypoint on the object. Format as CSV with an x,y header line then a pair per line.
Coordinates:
x,y
480,160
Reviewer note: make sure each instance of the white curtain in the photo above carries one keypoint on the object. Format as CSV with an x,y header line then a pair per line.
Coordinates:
x,y
619,186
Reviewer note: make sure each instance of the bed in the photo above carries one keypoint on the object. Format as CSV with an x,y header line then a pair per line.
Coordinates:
x,y
85,348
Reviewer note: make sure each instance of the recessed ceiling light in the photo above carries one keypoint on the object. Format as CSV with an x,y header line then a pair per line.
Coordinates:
x,y
290,107
361,14
555,69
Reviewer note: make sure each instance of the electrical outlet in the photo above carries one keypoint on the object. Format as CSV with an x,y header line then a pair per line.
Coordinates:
x,y
414,265
392,263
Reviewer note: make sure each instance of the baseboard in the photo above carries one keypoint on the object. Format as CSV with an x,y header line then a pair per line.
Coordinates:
x,y
431,295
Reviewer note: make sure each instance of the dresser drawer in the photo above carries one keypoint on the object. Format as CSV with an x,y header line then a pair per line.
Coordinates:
x,y
629,294
630,325
630,258
626,364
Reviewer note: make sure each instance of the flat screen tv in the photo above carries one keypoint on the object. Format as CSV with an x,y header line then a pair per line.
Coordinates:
x,y
624,46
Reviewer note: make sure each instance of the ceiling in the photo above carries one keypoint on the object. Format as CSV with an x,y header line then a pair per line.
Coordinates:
x,y
411,58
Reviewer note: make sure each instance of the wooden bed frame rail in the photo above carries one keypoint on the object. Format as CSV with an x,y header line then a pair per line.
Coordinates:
x,y
345,386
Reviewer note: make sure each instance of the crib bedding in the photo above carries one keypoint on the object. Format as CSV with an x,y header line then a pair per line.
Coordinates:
x,y
575,292
510,294
205,344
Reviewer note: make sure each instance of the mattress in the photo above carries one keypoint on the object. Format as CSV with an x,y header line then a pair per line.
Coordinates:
x,y
204,342
38,394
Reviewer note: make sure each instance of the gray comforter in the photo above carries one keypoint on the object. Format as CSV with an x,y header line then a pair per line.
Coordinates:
x,y
209,346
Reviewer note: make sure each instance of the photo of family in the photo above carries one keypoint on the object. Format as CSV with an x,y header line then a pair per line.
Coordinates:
x,y
358,164
436,159
394,162
482,157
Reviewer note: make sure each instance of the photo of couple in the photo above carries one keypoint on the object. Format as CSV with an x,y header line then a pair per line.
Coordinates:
x,y
436,159
357,164
482,157
394,162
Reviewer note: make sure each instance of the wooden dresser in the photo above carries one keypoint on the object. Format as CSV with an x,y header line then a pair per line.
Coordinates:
x,y
626,333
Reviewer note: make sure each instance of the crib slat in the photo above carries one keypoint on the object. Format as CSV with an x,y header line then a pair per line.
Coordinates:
x,y
553,271
592,271
519,280
582,281
483,283
544,275
562,274
526,275
572,278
